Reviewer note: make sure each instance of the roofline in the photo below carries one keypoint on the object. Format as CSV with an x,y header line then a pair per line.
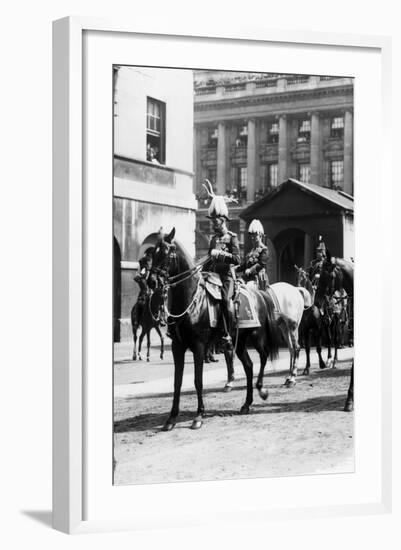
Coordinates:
x,y
298,183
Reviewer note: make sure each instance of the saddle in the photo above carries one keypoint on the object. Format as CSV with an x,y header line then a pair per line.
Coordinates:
x,y
244,303
212,284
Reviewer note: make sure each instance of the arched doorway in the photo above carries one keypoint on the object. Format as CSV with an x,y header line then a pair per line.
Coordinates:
x,y
290,247
116,291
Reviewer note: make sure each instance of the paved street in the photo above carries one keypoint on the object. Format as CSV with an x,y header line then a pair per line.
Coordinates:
x,y
141,377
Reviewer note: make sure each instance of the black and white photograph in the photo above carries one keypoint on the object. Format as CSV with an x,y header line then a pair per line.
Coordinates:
x,y
233,274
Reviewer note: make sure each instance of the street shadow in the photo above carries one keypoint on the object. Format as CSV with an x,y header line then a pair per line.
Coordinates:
x,y
240,383
41,516
155,421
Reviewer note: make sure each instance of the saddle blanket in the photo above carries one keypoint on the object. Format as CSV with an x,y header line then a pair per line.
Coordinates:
x,y
245,309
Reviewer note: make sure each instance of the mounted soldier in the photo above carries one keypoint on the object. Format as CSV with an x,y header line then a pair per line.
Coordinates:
x,y
142,278
316,264
255,263
223,255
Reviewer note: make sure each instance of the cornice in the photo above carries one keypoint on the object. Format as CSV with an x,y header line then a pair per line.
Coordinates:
x,y
279,97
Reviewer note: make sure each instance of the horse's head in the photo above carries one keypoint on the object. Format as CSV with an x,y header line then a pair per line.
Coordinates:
x,y
164,254
302,276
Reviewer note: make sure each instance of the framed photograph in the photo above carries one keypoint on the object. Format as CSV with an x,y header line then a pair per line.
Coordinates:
x,y
213,235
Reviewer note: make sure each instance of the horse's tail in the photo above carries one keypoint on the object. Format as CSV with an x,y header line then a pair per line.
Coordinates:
x,y
273,334
306,296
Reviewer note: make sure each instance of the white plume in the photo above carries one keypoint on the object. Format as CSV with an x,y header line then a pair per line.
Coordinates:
x,y
218,207
256,227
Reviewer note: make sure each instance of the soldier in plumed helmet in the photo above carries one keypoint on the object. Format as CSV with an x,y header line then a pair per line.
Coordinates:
x,y
316,264
223,255
255,263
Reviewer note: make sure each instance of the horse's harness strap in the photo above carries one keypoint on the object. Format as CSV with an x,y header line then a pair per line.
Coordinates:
x,y
193,301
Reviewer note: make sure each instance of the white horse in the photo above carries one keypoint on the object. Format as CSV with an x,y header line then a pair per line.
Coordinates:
x,y
291,303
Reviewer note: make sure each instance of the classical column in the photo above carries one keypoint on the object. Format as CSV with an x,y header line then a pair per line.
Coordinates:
x,y
348,164
314,150
251,162
221,158
197,162
282,150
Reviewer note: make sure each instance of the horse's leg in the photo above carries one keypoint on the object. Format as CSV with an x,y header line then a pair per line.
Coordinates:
x,y
199,355
141,337
159,332
322,364
229,357
307,352
336,336
148,345
260,348
246,361
289,379
349,404
329,343
134,335
295,345
179,356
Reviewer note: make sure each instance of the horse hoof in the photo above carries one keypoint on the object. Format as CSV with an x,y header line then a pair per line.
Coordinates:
x,y
263,393
305,373
349,406
244,409
168,426
196,424
227,388
161,356
147,359
289,383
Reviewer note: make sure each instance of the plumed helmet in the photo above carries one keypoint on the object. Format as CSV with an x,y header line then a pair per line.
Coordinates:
x,y
218,206
256,227
321,246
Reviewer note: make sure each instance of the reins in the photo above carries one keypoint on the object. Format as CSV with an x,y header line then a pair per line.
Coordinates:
x,y
193,301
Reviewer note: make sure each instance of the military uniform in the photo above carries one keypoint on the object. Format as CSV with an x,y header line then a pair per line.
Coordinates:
x,y
145,265
228,247
256,262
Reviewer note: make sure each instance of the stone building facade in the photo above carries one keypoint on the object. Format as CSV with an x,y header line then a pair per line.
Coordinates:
x,y
153,172
254,131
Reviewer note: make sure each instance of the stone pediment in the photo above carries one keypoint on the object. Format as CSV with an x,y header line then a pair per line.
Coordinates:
x,y
238,154
301,150
333,148
268,151
209,154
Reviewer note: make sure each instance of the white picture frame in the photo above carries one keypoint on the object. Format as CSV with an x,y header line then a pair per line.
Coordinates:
x,y
70,259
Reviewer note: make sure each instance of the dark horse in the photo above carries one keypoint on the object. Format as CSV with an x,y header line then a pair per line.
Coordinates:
x,y
337,274
147,317
312,322
187,304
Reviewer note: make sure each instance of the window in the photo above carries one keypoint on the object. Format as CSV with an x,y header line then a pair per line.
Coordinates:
x,y
155,131
212,138
272,175
304,172
273,133
337,127
242,182
304,131
242,136
337,173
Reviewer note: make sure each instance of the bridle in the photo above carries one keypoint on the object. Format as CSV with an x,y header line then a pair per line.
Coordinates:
x,y
167,282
